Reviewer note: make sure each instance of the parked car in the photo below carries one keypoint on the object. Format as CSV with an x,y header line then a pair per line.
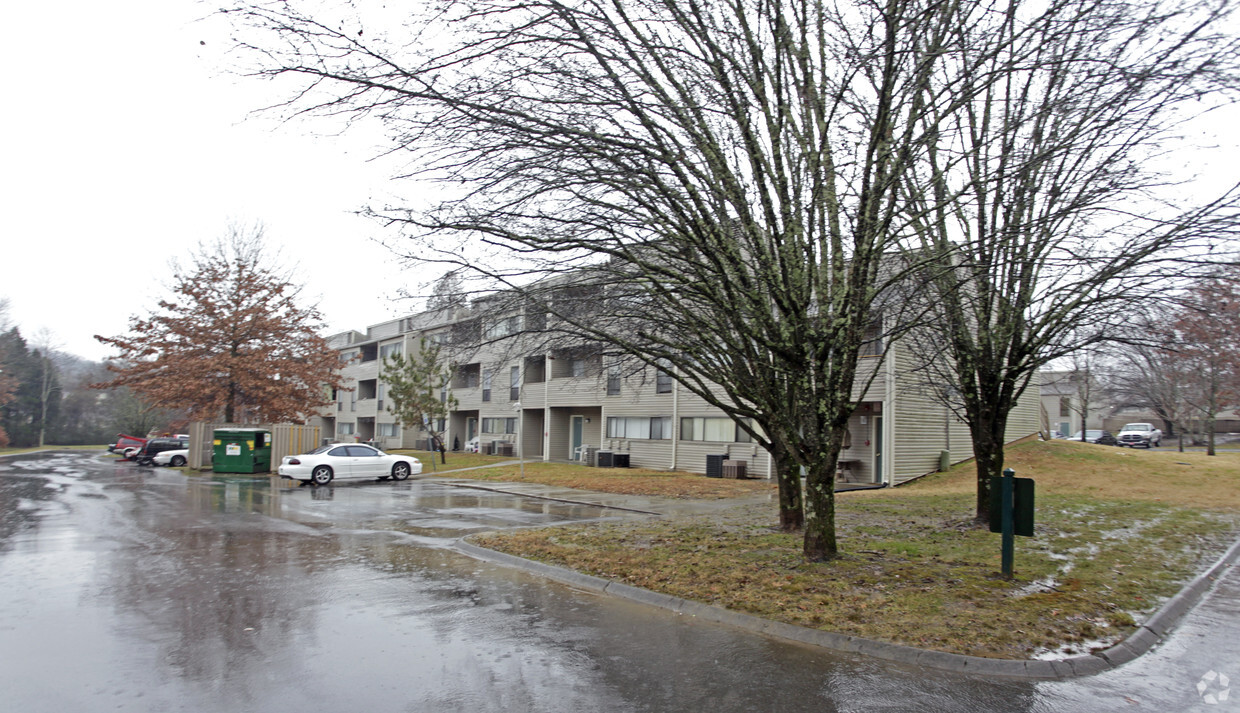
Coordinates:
x,y
175,458
1091,435
1095,435
146,455
1140,434
126,445
347,460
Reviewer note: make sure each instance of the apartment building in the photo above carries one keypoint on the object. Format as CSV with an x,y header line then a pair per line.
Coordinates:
x,y
569,402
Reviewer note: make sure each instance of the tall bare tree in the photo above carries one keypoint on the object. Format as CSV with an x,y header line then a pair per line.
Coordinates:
x,y
1040,199
726,169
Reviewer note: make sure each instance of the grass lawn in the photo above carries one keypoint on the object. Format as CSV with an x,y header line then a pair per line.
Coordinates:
x,y
49,447
1117,532
623,481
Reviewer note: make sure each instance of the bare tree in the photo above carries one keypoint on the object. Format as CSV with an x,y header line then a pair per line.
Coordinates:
x,y
725,170
1148,371
1040,200
49,384
1209,354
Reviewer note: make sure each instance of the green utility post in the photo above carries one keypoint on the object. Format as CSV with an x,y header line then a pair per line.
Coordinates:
x,y
1011,513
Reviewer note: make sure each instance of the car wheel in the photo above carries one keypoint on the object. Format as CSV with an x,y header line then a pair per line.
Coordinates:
x,y
400,471
322,475
177,461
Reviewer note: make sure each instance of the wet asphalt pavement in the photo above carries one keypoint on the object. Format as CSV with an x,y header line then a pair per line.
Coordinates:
x,y
139,589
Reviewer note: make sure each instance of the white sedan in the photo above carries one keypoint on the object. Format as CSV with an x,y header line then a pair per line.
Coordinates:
x,y
175,458
348,460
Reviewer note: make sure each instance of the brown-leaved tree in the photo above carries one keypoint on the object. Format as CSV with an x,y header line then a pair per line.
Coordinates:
x,y
232,343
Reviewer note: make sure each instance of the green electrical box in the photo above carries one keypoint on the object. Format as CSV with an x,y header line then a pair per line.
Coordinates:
x,y
241,450
1022,506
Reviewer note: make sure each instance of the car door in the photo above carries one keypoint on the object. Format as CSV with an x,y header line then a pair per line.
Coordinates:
x,y
367,462
341,461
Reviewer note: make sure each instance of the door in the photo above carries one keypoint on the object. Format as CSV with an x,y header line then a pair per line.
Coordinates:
x,y
578,429
367,463
878,449
471,428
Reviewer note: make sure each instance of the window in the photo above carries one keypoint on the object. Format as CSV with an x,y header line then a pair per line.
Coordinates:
x,y
486,386
1065,406
872,340
387,429
499,425
344,429
380,389
514,381
388,350
613,379
577,367
655,428
698,428
467,376
504,327
663,379
742,436
347,356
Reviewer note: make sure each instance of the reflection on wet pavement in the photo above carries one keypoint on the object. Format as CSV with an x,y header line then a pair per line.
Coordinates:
x,y
145,590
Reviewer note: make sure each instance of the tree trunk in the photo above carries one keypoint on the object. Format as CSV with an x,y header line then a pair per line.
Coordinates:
x,y
820,542
988,452
788,477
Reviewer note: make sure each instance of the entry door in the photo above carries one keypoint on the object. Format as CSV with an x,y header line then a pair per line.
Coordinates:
x,y
471,428
878,449
578,429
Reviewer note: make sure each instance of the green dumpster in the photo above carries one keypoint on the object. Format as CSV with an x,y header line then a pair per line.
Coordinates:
x,y
241,450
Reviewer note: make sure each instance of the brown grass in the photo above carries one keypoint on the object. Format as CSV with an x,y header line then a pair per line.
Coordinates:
x,y
623,481
1117,532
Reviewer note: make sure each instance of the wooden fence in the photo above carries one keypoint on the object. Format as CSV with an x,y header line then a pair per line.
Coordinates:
x,y
286,439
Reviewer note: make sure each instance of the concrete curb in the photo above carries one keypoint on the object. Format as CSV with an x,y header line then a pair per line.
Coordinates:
x,y
1148,634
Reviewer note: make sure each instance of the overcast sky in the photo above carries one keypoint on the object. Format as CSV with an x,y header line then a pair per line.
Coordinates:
x,y
125,142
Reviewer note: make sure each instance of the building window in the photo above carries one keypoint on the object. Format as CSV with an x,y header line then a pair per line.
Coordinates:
x,y
379,392
486,386
347,356
663,379
388,429
503,327
387,351
698,428
514,381
577,367
499,425
655,428
1065,406
344,429
613,379
872,340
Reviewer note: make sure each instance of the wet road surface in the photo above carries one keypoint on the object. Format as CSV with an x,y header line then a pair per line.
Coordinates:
x,y
139,589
